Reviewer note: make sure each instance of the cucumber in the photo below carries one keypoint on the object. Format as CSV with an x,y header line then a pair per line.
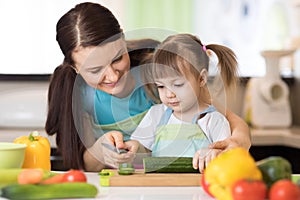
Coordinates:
x,y
50,191
126,169
169,165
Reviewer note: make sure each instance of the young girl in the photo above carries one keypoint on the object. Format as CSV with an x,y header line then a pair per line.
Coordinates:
x,y
186,122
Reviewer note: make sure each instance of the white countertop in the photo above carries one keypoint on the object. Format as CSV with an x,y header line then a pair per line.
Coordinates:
x,y
149,193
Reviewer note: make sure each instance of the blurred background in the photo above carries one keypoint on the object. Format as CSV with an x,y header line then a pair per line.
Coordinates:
x,y
29,54
247,26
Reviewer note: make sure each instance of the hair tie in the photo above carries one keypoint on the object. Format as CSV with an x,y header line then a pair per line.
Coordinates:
x,y
204,47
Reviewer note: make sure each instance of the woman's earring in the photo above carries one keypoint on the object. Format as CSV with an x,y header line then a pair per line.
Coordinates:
x,y
77,72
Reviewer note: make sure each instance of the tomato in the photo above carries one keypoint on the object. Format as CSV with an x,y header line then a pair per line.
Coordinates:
x,y
74,176
284,189
205,185
249,190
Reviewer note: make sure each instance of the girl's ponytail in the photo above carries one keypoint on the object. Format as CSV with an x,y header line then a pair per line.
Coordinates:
x,y
228,64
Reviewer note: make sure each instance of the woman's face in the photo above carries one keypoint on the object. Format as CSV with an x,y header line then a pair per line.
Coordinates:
x,y
104,67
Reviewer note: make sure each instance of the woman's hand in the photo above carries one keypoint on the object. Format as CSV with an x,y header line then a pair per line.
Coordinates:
x,y
98,156
203,156
132,146
229,143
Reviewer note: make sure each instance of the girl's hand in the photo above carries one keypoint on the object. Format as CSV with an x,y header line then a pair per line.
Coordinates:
x,y
203,156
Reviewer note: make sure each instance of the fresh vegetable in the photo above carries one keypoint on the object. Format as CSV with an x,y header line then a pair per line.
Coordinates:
x,y
126,169
10,176
49,191
69,176
246,189
74,176
169,165
205,185
58,178
37,152
284,189
229,167
274,168
30,176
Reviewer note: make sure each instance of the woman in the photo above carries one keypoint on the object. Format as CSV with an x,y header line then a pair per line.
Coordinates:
x,y
83,90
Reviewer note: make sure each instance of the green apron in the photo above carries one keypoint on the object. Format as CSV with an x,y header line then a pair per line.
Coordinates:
x,y
179,140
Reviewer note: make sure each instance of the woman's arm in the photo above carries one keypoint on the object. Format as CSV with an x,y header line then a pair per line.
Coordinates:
x,y
91,162
240,133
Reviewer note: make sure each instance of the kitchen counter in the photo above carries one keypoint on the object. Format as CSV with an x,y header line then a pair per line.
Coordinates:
x,y
149,193
289,137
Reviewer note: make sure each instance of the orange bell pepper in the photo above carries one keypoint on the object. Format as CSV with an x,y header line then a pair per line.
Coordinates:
x,y
37,152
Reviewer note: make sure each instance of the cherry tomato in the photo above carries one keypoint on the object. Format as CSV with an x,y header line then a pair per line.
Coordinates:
x,y
249,190
74,176
205,185
284,189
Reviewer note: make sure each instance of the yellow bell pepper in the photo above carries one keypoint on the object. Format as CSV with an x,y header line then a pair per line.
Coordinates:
x,y
37,152
229,167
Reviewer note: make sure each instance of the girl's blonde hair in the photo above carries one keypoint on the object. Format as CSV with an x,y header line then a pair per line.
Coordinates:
x,y
185,53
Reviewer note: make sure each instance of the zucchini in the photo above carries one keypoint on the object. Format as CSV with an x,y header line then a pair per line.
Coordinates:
x,y
169,165
10,176
50,191
274,168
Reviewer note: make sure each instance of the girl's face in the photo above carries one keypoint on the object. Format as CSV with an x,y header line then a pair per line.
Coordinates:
x,y
179,94
104,67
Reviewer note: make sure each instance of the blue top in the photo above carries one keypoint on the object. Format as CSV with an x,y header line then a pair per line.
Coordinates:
x,y
115,113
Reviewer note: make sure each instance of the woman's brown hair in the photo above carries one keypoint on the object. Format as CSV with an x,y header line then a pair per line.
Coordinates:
x,y
87,24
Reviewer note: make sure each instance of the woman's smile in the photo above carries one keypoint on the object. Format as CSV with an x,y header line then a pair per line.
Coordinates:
x,y
110,84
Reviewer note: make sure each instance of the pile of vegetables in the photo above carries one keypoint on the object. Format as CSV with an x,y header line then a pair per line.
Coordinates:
x,y
234,175
36,183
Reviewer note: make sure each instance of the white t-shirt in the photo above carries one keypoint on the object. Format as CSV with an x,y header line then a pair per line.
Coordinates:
x,y
214,125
